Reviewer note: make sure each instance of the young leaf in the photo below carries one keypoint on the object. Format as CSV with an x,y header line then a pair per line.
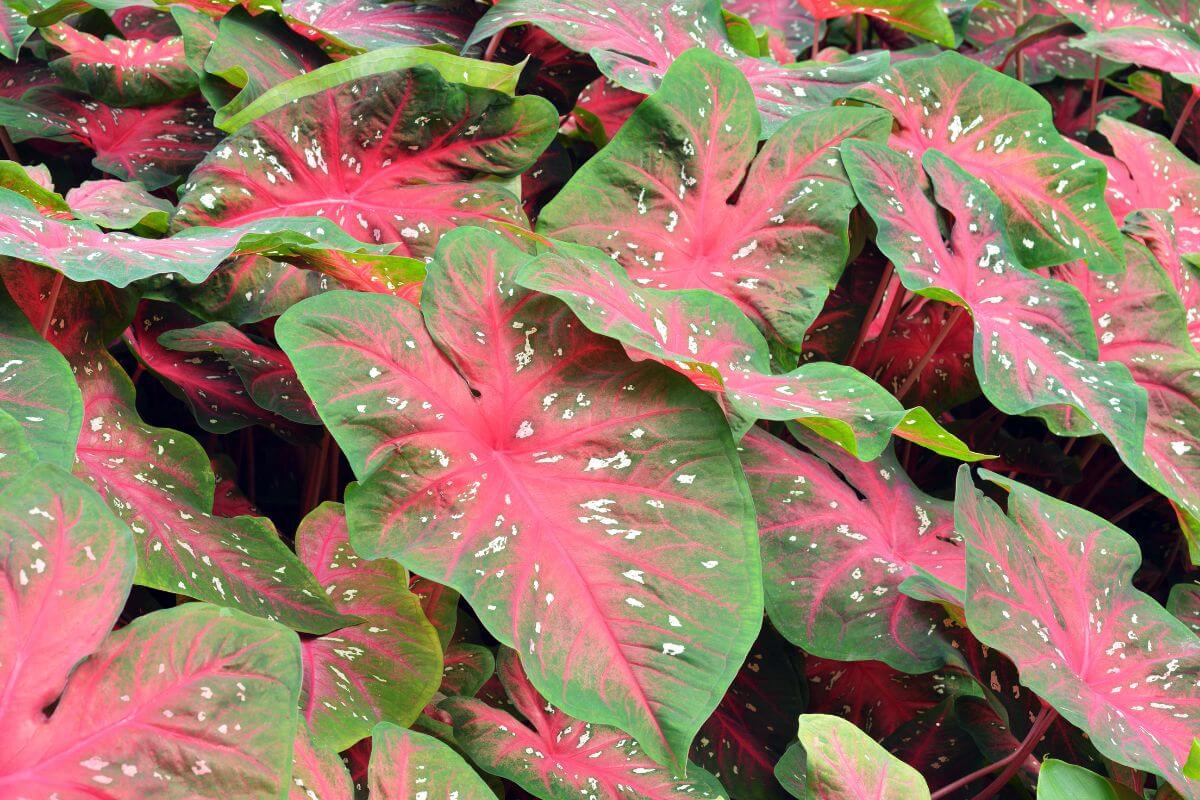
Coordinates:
x,y
1035,348
407,764
397,158
788,17
383,669
1171,51
922,18
558,757
509,425
121,72
836,761
119,205
1050,586
1059,780
635,43
833,563
706,337
205,696
1002,133
160,483
37,388
659,197
68,564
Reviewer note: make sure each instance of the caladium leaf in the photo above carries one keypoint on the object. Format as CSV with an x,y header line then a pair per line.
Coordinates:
x,y
407,764
635,43
121,72
210,385
1103,15
1141,323
1002,132
160,483
1035,348
559,757
264,370
364,25
317,773
1059,780
80,315
16,456
467,668
246,289
1050,585
441,458
872,695
996,29
602,103
383,669
1184,603
788,17
37,388
155,144
948,378
836,549
395,158
83,253
14,30
706,337
655,192
201,695
920,17
1166,179
119,205
66,559
1171,51
753,725
834,760
440,604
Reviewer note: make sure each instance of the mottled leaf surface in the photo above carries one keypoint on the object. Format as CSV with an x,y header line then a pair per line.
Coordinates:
x,y
558,757
364,25
1002,133
121,72
492,466
406,764
383,669
1050,585
660,197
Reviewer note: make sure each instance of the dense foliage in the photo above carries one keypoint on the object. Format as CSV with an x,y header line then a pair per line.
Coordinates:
x,y
599,399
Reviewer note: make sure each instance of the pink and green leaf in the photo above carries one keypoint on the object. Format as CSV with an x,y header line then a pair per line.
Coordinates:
x,y
121,72
398,158
383,669
1002,133
922,18
1170,51
119,205
1050,585
559,757
317,773
365,25
484,408
406,764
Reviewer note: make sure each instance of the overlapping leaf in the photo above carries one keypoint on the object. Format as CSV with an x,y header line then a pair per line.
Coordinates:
x,y
1001,132
406,764
121,72
397,158
372,24
1050,586
1171,51
635,43
383,669
921,17
1035,348
558,757
683,199
159,482
602,539
119,205
836,549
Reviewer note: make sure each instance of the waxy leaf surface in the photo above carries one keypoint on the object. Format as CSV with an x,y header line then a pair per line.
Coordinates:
x,y
208,691
658,197
406,764
1001,132
635,43
394,159
836,549
558,757
119,205
363,25
121,72
317,773
1167,50
488,463
160,483
1050,586
383,669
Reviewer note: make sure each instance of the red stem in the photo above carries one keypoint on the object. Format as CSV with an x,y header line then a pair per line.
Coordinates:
x,y
51,301
316,476
493,45
1041,724
1145,500
929,353
10,150
1095,95
1183,116
858,33
894,303
872,310
1020,22
816,48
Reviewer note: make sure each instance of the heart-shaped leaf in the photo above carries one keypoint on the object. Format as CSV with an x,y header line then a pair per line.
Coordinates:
x,y
364,25
836,549
160,483
1167,50
37,388
407,764
1002,133
836,761
396,158
559,757
501,424
635,43
121,72
383,669
1050,586
659,197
